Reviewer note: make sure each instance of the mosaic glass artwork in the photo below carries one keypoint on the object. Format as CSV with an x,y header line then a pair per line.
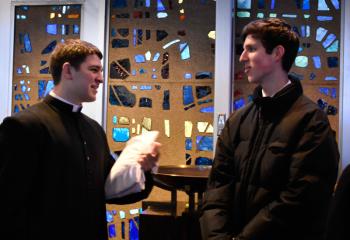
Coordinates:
x,y
38,29
161,74
317,65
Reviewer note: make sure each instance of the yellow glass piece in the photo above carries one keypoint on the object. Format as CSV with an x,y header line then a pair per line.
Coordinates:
x,y
181,1
138,129
188,128
147,123
52,15
182,11
210,129
59,15
202,126
211,35
133,130
73,16
167,128
124,121
133,120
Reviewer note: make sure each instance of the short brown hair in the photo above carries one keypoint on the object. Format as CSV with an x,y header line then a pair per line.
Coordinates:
x,y
73,51
273,32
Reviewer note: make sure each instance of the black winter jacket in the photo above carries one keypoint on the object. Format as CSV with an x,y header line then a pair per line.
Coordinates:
x,y
274,170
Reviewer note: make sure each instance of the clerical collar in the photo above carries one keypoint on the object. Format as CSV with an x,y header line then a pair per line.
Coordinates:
x,y
265,95
75,108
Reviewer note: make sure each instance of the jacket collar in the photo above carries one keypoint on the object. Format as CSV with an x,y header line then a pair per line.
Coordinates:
x,y
61,105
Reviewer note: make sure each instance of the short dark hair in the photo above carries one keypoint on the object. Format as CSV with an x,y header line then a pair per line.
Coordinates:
x,y
273,32
73,51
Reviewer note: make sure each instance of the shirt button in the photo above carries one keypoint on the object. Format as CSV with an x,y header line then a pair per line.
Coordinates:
x,y
84,142
88,158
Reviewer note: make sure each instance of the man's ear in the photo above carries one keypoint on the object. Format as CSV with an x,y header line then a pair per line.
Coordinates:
x,y
278,52
67,71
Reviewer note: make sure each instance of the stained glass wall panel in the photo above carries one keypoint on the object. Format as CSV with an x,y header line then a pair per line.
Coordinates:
x,y
38,29
317,64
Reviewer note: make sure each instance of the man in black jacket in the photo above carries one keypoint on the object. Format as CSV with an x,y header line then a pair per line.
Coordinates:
x,y
55,160
276,159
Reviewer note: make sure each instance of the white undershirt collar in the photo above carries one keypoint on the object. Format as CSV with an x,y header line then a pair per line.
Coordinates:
x,y
76,108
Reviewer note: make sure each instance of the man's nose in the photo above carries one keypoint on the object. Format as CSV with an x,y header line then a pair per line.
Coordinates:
x,y
100,77
243,56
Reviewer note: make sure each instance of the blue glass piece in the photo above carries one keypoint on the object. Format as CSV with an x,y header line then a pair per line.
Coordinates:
x,y
120,134
330,38
145,87
188,159
156,57
119,3
324,18
320,33
202,91
312,76
204,75
139,36
332,62
112,97
64,29
260,15
154,76
45,87
133,230
26,97
333,93
112,233
137,218
134,33
127,98
51,29
187,75
306,4
243,14
109,216
76,29
162,15
335,4
322,103
296,30
333,47
133,87
204,143
317,61
303,31
203,161
123,230
160,6
289,15
239,103
261,4
120,43
148,3
188,144
322,5
272,6
330,78
207,109
205,101
133,72
16,109
244,4
124,32
165,71
324,90
140,58
49,48
24,8
300,49
187,95
114,212
332,110
23,88
19,70
43,62
166,100
44,70
27,43
115,119
142,71
145,102
161,34
184,51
